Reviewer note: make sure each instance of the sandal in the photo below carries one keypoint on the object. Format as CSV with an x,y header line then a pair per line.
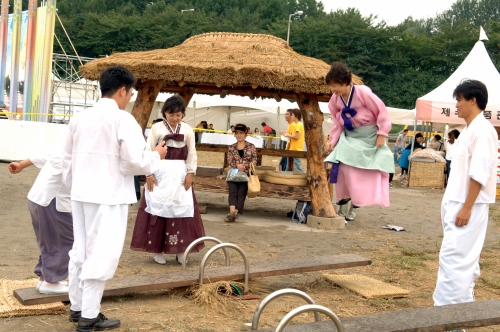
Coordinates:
x,y
230,218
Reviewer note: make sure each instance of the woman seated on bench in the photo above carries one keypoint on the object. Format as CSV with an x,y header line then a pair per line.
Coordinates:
x,y
239,155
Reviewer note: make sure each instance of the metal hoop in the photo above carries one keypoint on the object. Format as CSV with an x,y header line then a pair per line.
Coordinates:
x,y
201,239
226,245
275,295
310,307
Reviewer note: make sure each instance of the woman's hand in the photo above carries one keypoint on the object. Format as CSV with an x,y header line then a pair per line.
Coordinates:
x,y
329,147
188,181
380,141
151,182
241,167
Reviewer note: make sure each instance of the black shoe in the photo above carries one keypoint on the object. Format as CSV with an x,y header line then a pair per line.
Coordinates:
x,y
74,316
343,201
100,323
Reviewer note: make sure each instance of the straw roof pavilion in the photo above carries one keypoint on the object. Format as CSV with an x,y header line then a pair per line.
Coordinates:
x,y
223,63
254,65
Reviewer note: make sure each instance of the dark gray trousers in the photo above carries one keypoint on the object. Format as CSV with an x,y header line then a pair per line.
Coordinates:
x,y
237,194
54,234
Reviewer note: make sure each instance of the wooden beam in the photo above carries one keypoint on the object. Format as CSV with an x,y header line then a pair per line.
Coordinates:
x,y
260,151
440,318
276,96
149,282
321,203
146,97
223,93
251,94
270,190
187,93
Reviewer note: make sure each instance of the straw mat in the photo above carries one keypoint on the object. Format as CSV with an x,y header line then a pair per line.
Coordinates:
x,y
9,306
367,287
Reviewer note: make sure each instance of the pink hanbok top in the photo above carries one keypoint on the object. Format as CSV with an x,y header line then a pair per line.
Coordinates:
x,y
371,111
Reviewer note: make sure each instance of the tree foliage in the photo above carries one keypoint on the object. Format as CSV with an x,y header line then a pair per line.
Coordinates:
x,y
400,63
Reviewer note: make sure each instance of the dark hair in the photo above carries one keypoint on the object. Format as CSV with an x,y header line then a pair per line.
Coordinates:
x,y
405,130
173,105
469,89
157,120
437,137
113,78
418,135
263,124
454,132
338,73
240,127
297,113
232,126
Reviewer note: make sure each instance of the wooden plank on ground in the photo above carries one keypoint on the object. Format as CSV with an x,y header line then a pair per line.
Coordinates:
x,y
270,190
203,209
150,282
208,171
433,319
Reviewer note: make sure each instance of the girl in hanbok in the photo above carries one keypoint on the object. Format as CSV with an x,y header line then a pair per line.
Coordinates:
x,y
168,219
361,161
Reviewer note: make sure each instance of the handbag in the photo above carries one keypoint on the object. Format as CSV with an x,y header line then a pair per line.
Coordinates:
x,y
235,175
253,183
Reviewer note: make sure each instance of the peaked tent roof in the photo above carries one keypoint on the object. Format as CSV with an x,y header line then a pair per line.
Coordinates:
x,y
439,104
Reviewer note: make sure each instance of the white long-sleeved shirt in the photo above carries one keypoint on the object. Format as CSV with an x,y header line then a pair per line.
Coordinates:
x,y
48,184
475,157
102,152
158,132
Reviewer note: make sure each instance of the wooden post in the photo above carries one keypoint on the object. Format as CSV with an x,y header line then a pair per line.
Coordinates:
x,y
321,201
146,97
186,94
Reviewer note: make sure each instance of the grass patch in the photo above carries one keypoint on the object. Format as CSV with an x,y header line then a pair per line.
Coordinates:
x,y
493,282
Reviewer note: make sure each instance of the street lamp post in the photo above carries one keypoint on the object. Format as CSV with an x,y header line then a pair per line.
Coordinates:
x,y
298,12
187,10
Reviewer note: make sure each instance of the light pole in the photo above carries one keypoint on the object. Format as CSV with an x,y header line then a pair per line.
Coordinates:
x,y
298,12
187,10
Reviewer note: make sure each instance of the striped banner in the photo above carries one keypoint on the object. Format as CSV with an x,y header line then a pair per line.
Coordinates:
x,y
48,47
30,60
14,58
4,30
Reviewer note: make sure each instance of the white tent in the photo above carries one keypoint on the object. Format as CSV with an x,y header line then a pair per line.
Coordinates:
x,y
439,105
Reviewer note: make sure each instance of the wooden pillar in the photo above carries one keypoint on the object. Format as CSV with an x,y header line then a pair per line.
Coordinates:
x,y
321,201
146,97
186,94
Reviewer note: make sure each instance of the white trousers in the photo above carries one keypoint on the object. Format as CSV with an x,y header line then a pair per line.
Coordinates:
x,y
459,255
99,234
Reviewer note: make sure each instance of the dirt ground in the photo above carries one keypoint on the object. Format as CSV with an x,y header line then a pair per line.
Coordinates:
x,y
406,259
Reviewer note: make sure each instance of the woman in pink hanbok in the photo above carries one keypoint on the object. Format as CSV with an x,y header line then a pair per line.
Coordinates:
x,y
361,161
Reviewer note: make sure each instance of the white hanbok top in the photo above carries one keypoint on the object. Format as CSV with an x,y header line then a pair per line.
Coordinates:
x,y
103,151
159,131
449,149
475,157
48,184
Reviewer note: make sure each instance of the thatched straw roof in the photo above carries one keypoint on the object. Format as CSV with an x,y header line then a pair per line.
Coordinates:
x,y
223,59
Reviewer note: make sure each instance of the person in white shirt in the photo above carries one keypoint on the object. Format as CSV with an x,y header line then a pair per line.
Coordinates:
x,y
50,208
400,145
448,147
102,152
471,188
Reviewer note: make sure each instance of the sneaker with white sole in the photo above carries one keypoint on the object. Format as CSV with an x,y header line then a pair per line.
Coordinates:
x,y
159,259
52,289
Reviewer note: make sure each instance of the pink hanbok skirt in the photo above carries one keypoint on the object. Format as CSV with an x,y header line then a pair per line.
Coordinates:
x,y
364,186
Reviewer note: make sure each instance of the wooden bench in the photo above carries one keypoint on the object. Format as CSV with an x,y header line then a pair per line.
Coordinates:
x,y
433,319
149,282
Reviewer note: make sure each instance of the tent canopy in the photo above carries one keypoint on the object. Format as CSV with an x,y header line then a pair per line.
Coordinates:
x,y
439,105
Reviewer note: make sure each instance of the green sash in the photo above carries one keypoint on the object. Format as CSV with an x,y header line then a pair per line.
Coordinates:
x,y
356,148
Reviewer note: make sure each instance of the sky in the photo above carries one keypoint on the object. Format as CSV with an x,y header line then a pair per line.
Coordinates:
x,y
392,11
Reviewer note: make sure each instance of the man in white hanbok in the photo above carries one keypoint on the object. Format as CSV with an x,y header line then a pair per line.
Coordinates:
x,y
103,151
471,188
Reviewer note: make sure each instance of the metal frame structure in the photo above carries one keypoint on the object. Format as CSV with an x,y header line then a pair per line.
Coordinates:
x,y
69,89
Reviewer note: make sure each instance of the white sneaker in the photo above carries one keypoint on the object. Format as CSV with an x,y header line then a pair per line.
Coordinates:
x,y
59,288
159,259
65,283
